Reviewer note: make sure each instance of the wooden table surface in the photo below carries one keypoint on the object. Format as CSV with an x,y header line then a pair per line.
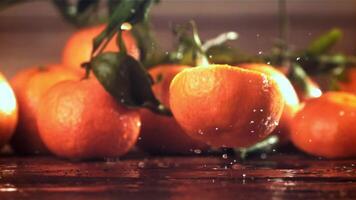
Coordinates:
x,y
279,176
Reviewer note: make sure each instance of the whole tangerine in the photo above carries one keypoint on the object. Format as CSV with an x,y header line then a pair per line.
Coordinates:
x,y
30,85
80,120
325,126
8,111
79,46
226,106
162,134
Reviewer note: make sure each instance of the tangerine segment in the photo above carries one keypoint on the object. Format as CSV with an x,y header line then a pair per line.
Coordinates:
x,y
80,120
8,111
226,106
325,126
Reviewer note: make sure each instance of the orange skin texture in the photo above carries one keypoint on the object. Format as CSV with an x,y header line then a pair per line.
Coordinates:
x,y
8,115
162,134
79,46
350,84
29,86
326,126
80,120
291,100
226,106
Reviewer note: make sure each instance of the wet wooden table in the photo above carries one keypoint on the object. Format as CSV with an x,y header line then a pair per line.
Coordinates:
x,y
278,176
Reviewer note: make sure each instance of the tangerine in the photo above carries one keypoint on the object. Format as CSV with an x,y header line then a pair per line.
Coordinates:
x,y
79,46
325,126
291,100
29,86
80,120
162,134
226,106
8,111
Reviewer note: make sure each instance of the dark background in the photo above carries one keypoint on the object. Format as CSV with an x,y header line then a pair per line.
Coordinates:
x,y
34,33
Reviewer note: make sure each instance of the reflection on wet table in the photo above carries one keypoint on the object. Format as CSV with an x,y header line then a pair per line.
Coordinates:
x,y
204,177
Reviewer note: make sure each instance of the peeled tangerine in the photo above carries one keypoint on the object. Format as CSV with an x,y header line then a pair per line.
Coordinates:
x,y
326,126
226,106
80,120
8,111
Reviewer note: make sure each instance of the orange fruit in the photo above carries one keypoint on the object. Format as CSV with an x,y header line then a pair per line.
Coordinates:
x,y
226,106
80,120
79,46
325,126
291,100
162,134
8,111
29,86
350,84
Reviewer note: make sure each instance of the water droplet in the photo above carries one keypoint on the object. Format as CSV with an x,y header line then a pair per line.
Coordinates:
x,y
260,53
200,132
197,151
254,110
261,110
341,113
216,128
138,124
141,164
126,26
263,156
268,63
224,156
252,131
251,122
297,59
244,175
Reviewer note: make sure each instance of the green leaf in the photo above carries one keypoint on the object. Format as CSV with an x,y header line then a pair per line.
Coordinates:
x,y
267,145
131,11
81,12
150,52
224,54
324,43
126,80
